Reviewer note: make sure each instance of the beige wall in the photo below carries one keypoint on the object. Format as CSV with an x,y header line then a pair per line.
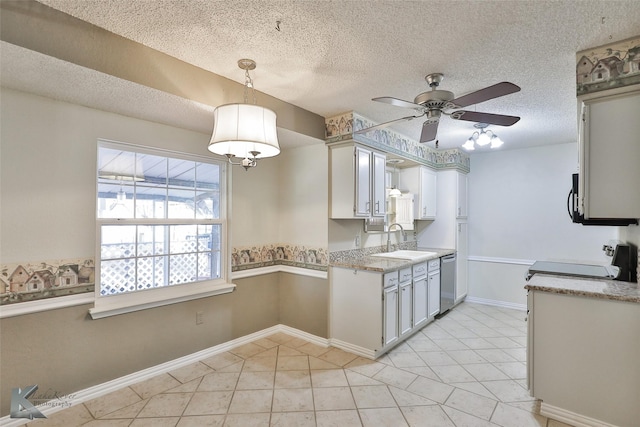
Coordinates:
x,y
47,211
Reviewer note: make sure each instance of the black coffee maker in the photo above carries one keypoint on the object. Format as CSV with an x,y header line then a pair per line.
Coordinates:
x,y
625,257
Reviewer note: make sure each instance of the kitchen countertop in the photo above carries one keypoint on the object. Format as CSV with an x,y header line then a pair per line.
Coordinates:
x,y
587,287
384,265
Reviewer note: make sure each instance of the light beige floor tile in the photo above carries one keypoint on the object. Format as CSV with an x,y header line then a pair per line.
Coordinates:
x,y
504,342
507,416
382,417
485,372
128,412
74,416
209,403
461,419
433,390
256,381
329,378
112,402
475,387
402,348
495,355
356,379
156,385
452,374
508,331
155,422
337,356
251,401
260,363
471,403
221,360
434,331
515,370
315,363
373,397
280,337
292,363
190,372
520,354
296,342
433,358
451,344
293,379
423,344
466,356
313,349
235,367
219,381
333,398
165,405
292,400
202,421
406,359
247,350
348,418
423,371
247,420
293,419
461,332
485,332
365,366
426,416
283,350
406,398
395,377
555,423
266,343
99,423
477,343
508,391
188,387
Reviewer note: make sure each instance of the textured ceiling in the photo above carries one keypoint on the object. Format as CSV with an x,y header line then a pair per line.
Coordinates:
x,y
330,57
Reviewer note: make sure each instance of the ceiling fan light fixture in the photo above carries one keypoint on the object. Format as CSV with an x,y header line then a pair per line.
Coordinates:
x,y
469,145
496,141
482,137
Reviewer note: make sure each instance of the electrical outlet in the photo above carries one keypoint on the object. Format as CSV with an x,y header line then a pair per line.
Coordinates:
x,y
199,315
357,241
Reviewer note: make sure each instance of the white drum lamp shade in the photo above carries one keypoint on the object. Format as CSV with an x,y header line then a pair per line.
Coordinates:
x,y
240,129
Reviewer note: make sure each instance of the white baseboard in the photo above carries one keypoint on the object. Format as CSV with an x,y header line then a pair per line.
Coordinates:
x,y
90,393
497,303
569,417
360,351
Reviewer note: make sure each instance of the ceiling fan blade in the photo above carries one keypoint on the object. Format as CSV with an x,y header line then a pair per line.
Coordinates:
x,y
429,130
495,91
491,119
399,102
389,123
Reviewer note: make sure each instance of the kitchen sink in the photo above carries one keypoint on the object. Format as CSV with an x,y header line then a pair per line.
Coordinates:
x,y
406,254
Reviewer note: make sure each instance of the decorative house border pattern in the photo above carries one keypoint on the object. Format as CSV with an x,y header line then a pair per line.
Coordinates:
x,y
341,128
609,66
31,281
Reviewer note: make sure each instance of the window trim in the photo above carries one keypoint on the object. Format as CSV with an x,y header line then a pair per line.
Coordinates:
x,y
111,305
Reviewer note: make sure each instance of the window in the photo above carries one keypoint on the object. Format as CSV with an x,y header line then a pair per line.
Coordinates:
x,y
161,219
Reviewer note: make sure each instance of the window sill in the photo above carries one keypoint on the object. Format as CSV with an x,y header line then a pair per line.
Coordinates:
x,y
121,304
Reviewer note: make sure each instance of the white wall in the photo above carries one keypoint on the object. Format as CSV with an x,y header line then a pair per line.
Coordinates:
x,y
518,213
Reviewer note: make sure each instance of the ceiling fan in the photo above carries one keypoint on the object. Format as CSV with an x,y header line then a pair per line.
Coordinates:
x,y
433,104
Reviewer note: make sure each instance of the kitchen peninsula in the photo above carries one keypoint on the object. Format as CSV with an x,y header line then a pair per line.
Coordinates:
x,y
584,349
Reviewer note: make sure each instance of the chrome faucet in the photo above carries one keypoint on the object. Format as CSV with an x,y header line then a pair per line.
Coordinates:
x,y
404,235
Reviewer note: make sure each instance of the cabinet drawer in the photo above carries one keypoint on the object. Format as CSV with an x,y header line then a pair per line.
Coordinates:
x,y
434,264
391,279
405,275
420,270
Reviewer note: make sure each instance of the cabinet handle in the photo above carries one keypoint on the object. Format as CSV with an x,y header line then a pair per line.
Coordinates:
x,y
378,207
368,207
424,211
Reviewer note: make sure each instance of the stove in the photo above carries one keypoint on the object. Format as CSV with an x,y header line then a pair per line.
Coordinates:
x,y
574,270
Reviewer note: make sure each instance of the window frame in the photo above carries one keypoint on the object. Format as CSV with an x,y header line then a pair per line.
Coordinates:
x,y
109,305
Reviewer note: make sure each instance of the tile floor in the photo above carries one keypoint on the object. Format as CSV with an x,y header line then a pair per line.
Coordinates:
x,y
466,369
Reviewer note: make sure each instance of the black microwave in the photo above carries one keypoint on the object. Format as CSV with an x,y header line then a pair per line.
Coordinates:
x,y
578,218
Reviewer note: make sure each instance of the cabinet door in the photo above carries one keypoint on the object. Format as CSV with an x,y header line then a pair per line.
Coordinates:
x,y
462,249
427,193
363,182
378,184
462,195
406,309
390,316
434,293
420,302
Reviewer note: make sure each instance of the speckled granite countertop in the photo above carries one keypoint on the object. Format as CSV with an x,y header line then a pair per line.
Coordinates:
x,y
384,265
593,288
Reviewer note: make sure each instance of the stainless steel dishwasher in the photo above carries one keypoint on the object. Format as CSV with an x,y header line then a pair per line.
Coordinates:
x,y
447,282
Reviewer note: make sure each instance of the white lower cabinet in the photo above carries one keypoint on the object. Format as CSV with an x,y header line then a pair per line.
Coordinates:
x,y
372,312
434,293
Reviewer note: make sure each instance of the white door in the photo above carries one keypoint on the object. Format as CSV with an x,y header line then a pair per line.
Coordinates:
x,y
434,293
363,182
406,309
390,313
462,195
420,301
428,193
378,185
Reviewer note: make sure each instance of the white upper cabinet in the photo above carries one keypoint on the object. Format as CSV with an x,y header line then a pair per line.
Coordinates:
x,y
421,181
462,210
357,182
609,144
